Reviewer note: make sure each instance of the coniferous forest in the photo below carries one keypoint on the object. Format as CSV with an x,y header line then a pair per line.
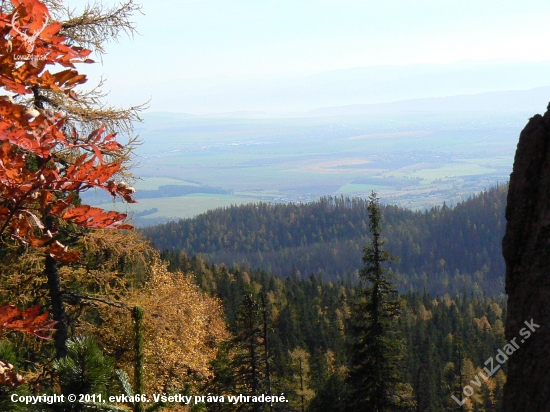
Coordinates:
x,y
444,249
448,318
443,339
335,305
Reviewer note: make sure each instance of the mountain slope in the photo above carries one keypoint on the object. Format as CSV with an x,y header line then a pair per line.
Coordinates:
x,y
442,250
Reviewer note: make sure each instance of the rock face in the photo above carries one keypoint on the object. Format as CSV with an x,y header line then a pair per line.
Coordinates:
x,y
526,250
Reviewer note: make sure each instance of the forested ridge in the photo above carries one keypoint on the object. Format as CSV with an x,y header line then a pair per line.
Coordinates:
x,y
444,249
447,338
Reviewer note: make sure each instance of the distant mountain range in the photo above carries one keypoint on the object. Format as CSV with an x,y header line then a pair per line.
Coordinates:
x,y
277,96
527,102
532,101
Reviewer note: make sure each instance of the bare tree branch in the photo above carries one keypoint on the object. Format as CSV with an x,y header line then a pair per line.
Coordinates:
x,y
98,24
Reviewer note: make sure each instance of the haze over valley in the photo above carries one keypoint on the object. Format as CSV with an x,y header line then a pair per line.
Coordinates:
x,y
414,153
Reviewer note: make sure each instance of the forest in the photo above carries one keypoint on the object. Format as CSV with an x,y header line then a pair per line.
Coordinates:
x,y
447,338
444,249
94,317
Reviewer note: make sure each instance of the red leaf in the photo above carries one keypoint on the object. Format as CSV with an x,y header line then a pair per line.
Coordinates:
x,y
28,321
98,153
94,217
62,253
51,30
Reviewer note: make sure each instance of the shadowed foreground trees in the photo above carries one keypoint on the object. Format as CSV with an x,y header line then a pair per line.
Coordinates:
x,y
311,313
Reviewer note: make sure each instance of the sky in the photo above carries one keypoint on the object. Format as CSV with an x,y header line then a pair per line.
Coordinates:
x,y
187,45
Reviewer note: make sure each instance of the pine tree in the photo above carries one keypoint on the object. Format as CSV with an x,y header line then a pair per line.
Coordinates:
x,y
373,378
249,361
85,370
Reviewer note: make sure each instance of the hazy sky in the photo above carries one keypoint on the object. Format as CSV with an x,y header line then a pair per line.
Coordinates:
x,y
184,40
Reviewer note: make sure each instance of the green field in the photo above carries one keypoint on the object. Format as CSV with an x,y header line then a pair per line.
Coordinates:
x,y
179,207
444,172
414,160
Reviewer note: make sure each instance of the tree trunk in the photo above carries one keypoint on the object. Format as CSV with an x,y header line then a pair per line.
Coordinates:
x,y
137,317
266,350
58,308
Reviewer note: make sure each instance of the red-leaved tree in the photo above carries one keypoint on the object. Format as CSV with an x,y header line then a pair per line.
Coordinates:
x,y
45,161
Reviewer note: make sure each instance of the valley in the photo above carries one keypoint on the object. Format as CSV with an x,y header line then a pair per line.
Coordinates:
x,y
414,160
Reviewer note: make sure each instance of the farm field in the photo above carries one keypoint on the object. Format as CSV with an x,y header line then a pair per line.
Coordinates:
x,y
150,211
416,160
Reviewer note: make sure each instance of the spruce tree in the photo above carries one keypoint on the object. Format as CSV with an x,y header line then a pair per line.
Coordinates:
x,y
249,361
373,379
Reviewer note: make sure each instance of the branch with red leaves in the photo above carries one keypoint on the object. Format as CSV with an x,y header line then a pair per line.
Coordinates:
x,y
28,195
29,321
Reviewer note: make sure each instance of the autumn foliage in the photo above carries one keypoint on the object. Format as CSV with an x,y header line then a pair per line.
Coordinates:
x,y
56,143
183,327
44,161
29,320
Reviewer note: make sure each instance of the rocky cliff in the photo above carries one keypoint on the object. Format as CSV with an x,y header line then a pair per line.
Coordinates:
x,y
526,250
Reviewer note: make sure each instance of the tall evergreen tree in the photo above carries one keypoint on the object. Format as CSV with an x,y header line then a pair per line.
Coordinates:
x,y
249,361
375,348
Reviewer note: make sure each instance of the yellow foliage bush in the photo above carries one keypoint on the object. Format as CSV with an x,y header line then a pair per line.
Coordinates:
x,y
182,328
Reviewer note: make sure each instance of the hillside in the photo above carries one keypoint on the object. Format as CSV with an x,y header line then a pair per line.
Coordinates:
x,y
312,315
442,249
